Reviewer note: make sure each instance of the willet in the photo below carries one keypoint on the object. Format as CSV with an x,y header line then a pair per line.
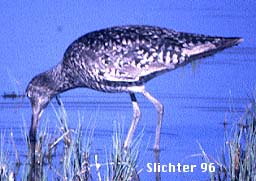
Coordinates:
x,y
121,59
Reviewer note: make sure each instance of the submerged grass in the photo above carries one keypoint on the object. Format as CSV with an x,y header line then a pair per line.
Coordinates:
x,y
241,162
66,153
123,161
238,158
7,169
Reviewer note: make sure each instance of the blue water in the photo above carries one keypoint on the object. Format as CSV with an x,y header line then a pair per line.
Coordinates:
x,y
197,98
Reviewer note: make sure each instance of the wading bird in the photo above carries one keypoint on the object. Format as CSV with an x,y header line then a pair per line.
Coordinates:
x,y
121,59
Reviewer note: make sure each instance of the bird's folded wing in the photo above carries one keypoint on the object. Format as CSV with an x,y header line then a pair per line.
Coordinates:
x,y
131,73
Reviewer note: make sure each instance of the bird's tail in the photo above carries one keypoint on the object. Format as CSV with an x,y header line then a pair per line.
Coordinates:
x,y
210,47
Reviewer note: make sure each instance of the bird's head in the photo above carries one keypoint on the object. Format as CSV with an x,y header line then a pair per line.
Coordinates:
x,y
40,92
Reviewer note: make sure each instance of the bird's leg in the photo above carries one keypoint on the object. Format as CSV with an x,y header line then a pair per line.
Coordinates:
x,y
136,117
160,111
59,102
157,161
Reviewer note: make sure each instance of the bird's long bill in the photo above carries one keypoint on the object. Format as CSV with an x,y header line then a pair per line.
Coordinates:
x,y
36,114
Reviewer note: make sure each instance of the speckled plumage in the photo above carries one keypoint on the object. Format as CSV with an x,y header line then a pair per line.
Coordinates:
x,y
111,59
121,59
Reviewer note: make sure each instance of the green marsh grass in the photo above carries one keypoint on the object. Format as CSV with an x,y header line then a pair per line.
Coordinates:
x,y
237,161
7,168
66,152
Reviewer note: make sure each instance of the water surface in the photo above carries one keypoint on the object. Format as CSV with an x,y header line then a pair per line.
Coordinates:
x,y
197,98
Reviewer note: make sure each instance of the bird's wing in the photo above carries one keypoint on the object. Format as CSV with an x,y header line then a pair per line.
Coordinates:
x,y
139,64
131,73
133,66
131,53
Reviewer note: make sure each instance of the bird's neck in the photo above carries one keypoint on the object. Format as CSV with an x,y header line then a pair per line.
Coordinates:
x,y
63,79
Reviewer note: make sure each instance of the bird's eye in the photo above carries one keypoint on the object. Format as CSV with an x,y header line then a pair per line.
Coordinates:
x,y
28,93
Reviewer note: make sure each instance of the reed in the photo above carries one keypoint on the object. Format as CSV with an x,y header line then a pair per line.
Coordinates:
x,y
65,153
7,168
238,158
